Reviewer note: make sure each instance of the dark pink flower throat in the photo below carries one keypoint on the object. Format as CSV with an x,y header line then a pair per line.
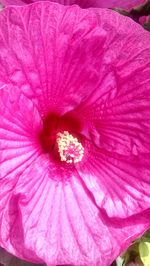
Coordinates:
x,y
61,138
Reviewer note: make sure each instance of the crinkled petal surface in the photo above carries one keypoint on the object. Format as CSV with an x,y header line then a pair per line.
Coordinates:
x,y
127,4
96,64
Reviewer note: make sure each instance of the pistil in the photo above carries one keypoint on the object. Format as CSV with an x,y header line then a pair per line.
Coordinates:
x,y
69,148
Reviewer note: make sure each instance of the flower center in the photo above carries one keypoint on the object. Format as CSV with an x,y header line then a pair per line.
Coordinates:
x,y
69,148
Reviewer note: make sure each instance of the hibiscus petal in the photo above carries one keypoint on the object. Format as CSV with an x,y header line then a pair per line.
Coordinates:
x,y
127,4
62,236
18,143
123,182
83,3
52,64
118,112
118,117
61,224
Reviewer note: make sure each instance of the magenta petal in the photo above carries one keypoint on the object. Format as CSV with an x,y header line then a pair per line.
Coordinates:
x,y
118,115
12,2
18,149
18,134
123,195
61,236
118,111
127,4
57,66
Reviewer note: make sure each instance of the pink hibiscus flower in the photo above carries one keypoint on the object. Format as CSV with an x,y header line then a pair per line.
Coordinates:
x,y
83,3
74,133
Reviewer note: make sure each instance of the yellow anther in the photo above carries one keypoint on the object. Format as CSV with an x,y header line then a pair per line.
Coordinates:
x,y
70,149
